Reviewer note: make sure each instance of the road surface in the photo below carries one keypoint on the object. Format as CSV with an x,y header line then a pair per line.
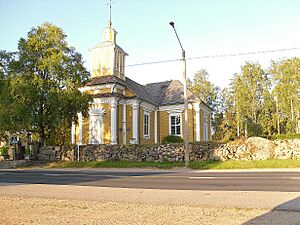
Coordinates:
x,y
284,181
144,196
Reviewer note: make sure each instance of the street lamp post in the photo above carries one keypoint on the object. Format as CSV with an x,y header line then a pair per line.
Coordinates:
x,y
186,126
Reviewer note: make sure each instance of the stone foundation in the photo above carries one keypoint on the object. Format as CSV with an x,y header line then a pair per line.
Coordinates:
x,y
253,148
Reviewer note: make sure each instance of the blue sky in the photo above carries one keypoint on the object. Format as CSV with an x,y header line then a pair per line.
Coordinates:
x,y
205,27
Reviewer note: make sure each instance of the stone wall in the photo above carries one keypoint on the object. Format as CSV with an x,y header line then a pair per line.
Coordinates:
x,y
254,148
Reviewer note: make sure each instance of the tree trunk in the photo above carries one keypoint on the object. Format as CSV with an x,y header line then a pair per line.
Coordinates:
x,y
42,136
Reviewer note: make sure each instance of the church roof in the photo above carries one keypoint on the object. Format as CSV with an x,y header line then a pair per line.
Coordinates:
x,y
169,93
104,80
159,94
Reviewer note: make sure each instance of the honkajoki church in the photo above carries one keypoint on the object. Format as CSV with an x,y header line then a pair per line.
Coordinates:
x,y
126,112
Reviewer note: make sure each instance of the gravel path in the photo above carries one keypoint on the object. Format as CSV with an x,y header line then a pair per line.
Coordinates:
x,y
70,204
31,210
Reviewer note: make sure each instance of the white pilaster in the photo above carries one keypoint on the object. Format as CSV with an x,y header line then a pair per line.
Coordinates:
x,y
197,109
124,124
80,127
113,121
73,133
155,126
135,122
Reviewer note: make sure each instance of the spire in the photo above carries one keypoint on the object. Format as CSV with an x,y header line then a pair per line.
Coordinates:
x,y
109,4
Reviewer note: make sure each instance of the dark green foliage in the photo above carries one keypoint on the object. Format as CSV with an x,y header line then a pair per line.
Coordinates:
x,y
39,86
3,150
172,139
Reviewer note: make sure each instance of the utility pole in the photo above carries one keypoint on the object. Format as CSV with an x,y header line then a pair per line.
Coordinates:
x,y
186,125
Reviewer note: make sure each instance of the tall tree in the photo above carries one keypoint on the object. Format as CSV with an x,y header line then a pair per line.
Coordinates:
x,y
203,88
251,93
45,80
286,75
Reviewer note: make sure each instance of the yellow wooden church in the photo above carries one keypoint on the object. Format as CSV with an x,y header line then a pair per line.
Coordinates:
x,y
125,112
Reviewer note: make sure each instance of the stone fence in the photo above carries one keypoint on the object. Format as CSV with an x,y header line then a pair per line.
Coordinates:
x,y
254,148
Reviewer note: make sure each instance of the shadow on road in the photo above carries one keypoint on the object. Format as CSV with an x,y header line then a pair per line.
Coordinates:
x,y
287,213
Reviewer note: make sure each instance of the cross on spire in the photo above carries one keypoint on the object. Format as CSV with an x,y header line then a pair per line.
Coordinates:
x,y
110,2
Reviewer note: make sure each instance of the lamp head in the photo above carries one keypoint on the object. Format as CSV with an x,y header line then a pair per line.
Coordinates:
x,y
172,24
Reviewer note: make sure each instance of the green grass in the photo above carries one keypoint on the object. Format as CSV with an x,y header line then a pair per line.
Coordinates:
x,y
203,165
115,164
243,164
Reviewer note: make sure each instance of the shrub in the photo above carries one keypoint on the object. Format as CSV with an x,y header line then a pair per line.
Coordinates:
x,y
172,139
3,150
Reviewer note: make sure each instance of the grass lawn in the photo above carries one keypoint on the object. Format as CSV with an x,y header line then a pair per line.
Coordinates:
x,y
205,165
115,164
243,164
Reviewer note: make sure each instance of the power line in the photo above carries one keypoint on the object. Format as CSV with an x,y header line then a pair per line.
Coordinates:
x,y
217,56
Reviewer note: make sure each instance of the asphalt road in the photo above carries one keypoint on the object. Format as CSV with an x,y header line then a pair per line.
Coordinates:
x,y
159,179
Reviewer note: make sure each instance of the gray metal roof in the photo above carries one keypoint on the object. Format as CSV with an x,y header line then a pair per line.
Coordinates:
x,y
159,94
169,92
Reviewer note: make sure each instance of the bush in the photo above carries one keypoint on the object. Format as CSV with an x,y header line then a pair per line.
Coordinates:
x,y
172,139
3,150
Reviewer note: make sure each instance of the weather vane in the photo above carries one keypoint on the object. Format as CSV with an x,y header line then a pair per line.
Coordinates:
x,y
110,2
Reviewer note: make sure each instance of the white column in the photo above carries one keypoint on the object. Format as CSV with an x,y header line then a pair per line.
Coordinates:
x,y
135,122
155,126
197,109
73,133
113,122
124,124
80,127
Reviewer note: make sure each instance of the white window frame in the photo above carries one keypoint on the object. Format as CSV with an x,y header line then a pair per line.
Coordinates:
x,y
170,129
147,136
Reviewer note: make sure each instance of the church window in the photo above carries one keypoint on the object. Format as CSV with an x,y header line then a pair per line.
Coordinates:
x,y
147,124
175,124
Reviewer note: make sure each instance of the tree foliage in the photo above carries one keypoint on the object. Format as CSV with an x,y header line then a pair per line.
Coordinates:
x,y
42,84
256,101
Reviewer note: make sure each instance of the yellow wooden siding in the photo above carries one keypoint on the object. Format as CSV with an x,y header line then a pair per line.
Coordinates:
x,y
190,122
163,124
128,123
194,125
76,133
106,123
120,125
85,130
101,91
158,127
129,93
201,125
142,139
209,127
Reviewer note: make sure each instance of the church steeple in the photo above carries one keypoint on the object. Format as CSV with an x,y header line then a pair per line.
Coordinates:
x,y
108,59
109,21
109,33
